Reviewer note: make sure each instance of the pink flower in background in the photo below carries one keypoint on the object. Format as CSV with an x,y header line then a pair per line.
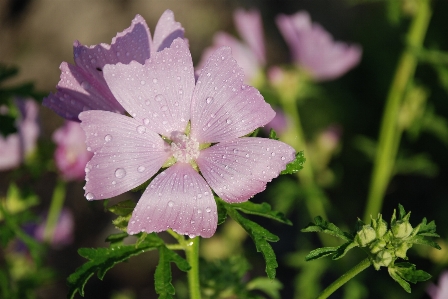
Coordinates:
x,y
15,147
163,99
314,49
440,292
279,123
250,55
63,232
82,86
71,154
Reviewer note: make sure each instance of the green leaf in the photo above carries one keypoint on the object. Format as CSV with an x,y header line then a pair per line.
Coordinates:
x,y
402,211
271,287
427,229
116,239
163,276
263,209
254,133
402,272
222,211
320,225
296,165
424,241
320,253
123,208
273,135
343,249
103,259
393,273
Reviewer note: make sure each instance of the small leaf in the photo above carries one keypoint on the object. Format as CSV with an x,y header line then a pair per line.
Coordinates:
x,y
254,133
409,272
296,165
263,209
121,222
320,252
402,211
163,276
427,229
222,212
273,134
123,208
116,239
320,225
271,287
424,241
343,249
398,279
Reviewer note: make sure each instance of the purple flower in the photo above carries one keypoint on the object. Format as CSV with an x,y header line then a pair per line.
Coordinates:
x,y
15,147
250,55
71,154
63,231
190,126
82,86
440,292
314,49
279,123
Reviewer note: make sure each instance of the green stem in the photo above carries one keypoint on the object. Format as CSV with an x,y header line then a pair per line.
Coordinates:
x,y
390,132
192,253
345,278
57,201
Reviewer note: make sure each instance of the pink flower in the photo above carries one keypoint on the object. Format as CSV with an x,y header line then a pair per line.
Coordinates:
x,y
194,126
279,123
71,154
82,86
440,292
314,49
63,231
15,147
250,55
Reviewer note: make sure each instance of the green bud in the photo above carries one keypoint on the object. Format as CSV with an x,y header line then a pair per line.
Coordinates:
x,y
377,246
365,236
384,258
400,251
401,229
381,228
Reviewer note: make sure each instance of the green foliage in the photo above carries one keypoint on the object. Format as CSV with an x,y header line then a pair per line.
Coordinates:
x,y
273,135
123,210
259,235
296,165
163,272
320,225
407,272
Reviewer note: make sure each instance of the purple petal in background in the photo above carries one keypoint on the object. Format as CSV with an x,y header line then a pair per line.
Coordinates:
x,y
440,291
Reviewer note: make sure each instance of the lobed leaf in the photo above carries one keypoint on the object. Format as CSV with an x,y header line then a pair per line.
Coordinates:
x,y
321,225
123,208
320,253
263,209
296,165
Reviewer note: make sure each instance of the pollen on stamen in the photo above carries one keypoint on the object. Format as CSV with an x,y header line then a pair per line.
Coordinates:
x,y
184,148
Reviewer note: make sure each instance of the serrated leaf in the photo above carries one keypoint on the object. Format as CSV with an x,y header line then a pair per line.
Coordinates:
x,y
343,249
123,208
103,259
273,135
121,222
116,239
410,273
402,211
321,225
163,276
397,278
424,241
263,209
320,253
296,165
427,229
254,133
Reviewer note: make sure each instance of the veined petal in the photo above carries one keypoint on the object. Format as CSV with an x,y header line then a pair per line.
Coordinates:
x,y
177,198
223,108
250,27
167,30
126,154
239,169
159,92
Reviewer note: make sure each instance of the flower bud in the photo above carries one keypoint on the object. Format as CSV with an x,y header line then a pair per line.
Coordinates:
x,y
400,251
384,258
401,229
365,236
380,228
377,246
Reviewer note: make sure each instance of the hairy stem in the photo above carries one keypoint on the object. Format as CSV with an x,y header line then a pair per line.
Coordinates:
x,y
192,253
345,278
390,132
57,201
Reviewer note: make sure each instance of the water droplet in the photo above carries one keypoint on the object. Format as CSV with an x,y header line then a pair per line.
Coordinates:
x,y
113,182
178,78
141,129
283,158
222,58
229,121
192,222
90,196
199,211
120,173
181,91
89,149
164,108
159,98
170,204
154,80
85,85
235,151
185,176
87,169
208,210
141,168
272,154
209,100
247,155
146,121
142,82
208,74
108,138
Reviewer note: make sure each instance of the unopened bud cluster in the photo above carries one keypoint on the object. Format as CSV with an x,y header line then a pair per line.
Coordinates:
x,y
386,245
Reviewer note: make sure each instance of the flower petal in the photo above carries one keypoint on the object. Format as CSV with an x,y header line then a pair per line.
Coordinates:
x,y
177,198
159,92
126,154
223,107
237,170
167,30
82,87
250,27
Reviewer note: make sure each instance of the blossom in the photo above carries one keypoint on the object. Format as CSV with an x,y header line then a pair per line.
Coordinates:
x,y
82,86
63,231
440,292
186,124
71,155
15,147
250,55
314,49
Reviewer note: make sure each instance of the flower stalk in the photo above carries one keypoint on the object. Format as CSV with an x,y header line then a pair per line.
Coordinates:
x,y
192,254
57,202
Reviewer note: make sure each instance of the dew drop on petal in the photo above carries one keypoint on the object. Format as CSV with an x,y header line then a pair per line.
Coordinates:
x,y
142,82
90,196
283,158
272,154
141,168
89,149
146,121
113,182
170,204
208,210
209,100
108,138
159,97
164,108
120,173
229,121
199,211
141,129
154,80
87,169
85,85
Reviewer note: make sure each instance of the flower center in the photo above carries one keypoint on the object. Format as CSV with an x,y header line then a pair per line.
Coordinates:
x,y
184,148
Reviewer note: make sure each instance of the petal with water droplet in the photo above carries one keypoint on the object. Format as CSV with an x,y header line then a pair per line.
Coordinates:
x,y
119,159
239,169
172,201
167,30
